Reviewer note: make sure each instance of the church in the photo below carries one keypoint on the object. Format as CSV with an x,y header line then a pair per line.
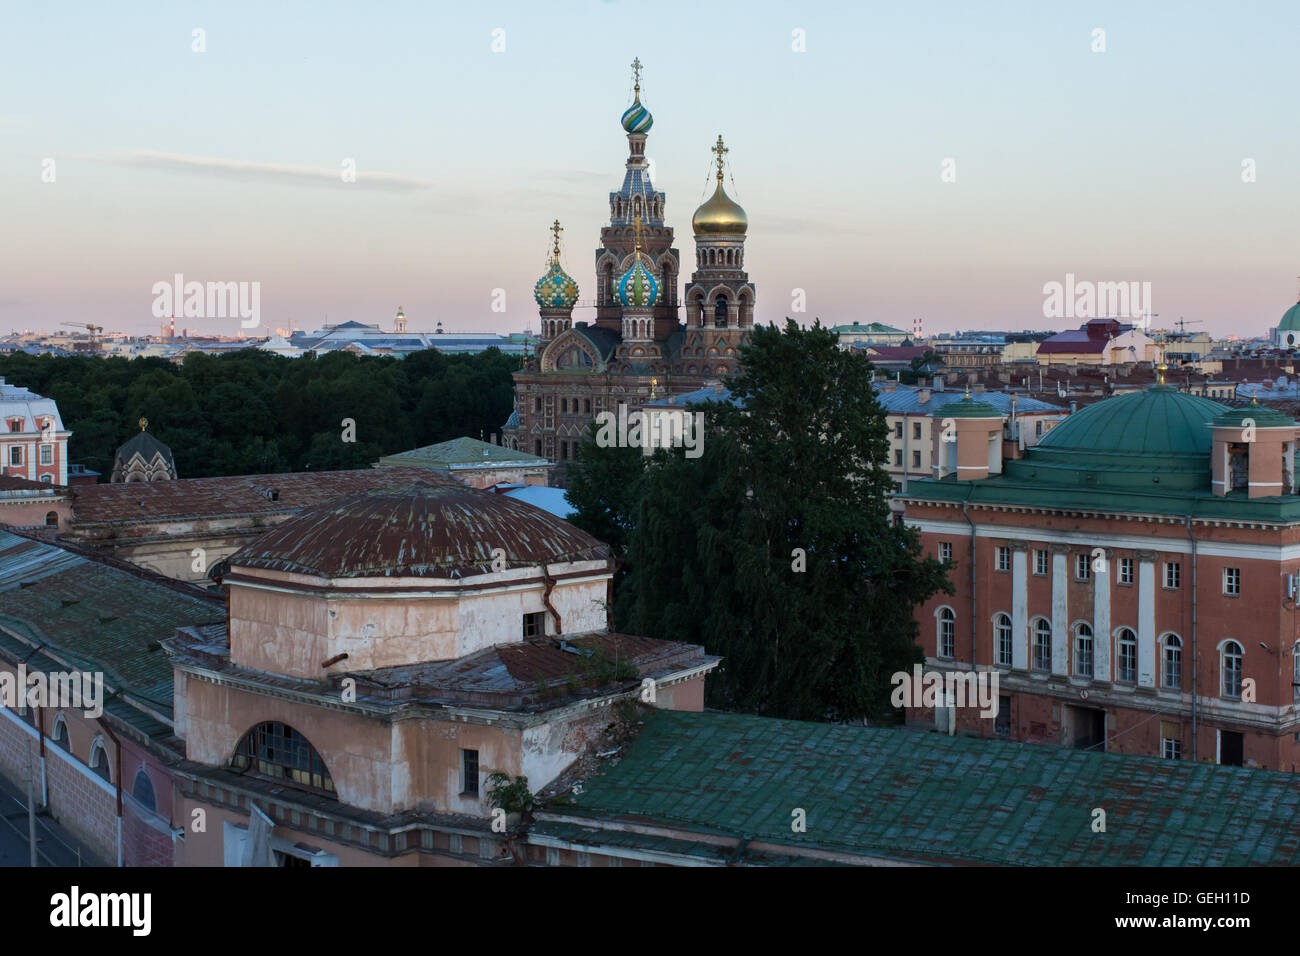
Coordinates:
x,y
637,349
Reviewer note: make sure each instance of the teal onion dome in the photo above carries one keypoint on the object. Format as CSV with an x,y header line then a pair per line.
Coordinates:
x,y
637,119
556,289
638,288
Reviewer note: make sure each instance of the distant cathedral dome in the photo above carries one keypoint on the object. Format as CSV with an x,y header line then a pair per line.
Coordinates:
x,y
720,216
636,118
638,288
556,289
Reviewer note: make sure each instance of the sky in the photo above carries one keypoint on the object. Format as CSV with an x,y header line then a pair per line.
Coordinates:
x,y
473,125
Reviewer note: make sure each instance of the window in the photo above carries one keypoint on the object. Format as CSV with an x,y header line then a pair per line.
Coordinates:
x,y
1126,657
586,406
47,454
61,733
1173,575
1004,559
469,773
537,448
1230,668
1083,651
916,430
1125,570
51,519
1171,748
1040,563
1002,639
99,761
15,454
1232,581
1038,429
276,750
916,459
1172,678
15,424
945,550
142,790
564,406
898,429
1042,645
537,404
898,457
47,479
947,638
1082,567
535,624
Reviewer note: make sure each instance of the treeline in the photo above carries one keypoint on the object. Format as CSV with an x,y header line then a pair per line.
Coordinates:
x,y
252,412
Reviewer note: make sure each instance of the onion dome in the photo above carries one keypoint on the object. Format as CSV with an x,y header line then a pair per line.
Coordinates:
x,y
556,289
636,118
720,216
638,288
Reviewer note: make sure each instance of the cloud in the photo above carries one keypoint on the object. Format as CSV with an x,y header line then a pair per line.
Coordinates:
x,y
244,171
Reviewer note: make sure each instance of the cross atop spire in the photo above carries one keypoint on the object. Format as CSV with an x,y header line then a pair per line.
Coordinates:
x,y
720,151
556,229
636,74
636,230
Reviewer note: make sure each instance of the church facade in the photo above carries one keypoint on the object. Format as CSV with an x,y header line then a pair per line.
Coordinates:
x,y
645,342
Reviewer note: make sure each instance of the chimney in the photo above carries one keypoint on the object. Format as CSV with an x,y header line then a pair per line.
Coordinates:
x,y
923,396
938,383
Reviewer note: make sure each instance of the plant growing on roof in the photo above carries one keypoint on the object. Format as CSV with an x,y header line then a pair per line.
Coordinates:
x,y
510,796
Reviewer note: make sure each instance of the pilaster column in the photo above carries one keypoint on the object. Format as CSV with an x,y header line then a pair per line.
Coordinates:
x,y
1146,618
1019,606
1060,610
1101,618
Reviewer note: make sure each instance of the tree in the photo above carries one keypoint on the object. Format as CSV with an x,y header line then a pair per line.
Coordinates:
x,y
777,548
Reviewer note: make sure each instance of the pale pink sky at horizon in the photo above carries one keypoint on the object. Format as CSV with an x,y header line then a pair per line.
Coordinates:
x,y
1117,166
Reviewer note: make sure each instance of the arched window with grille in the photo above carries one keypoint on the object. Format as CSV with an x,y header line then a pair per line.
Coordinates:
x,y
1083,650
61,733
99,760
276,750
1002,639
1171,677
1126,654
143,790
946,633
1230,664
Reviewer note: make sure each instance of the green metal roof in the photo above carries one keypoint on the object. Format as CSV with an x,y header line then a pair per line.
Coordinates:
x,y
1290,319
929,797
461,451
879,327
96,616
1158,421
966,408
1261,416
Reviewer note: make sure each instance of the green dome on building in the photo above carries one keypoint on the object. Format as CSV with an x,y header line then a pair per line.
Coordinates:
x,y
1159,421
1290,319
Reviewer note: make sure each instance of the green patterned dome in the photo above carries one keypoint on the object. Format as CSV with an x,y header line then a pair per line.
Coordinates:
x,y
556,289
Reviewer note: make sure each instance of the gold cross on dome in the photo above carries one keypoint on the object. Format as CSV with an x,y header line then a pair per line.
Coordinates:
x,y
556,229
636,72
720,151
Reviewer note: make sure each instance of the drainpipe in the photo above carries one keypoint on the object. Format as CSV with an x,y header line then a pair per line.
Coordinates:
x,y
546,598
117,779
40,734
907,462
1195,688
972,583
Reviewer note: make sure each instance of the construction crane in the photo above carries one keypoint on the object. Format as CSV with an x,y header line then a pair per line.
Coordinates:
x,y
94,330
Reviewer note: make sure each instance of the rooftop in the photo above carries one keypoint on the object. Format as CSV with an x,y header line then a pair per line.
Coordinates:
x,y
928,797
470,452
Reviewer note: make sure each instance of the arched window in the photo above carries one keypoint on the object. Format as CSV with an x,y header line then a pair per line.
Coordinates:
x,y
142,790
277,750
947,633
1126,656
99,760
1042,645
1172,676
1083,651
61,733
47,479
51,519
720,311
1230,668
1002,639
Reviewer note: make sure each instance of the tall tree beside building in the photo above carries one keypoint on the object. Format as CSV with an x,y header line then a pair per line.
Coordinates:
x,y
776,548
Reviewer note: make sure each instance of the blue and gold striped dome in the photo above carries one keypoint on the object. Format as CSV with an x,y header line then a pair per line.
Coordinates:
x,y
637,119
556,289
638,288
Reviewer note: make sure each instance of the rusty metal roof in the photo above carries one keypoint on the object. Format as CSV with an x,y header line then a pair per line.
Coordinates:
x,y
426,529
927,797
205,498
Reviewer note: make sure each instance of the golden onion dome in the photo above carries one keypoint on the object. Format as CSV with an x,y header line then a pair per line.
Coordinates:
x,y
720,216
